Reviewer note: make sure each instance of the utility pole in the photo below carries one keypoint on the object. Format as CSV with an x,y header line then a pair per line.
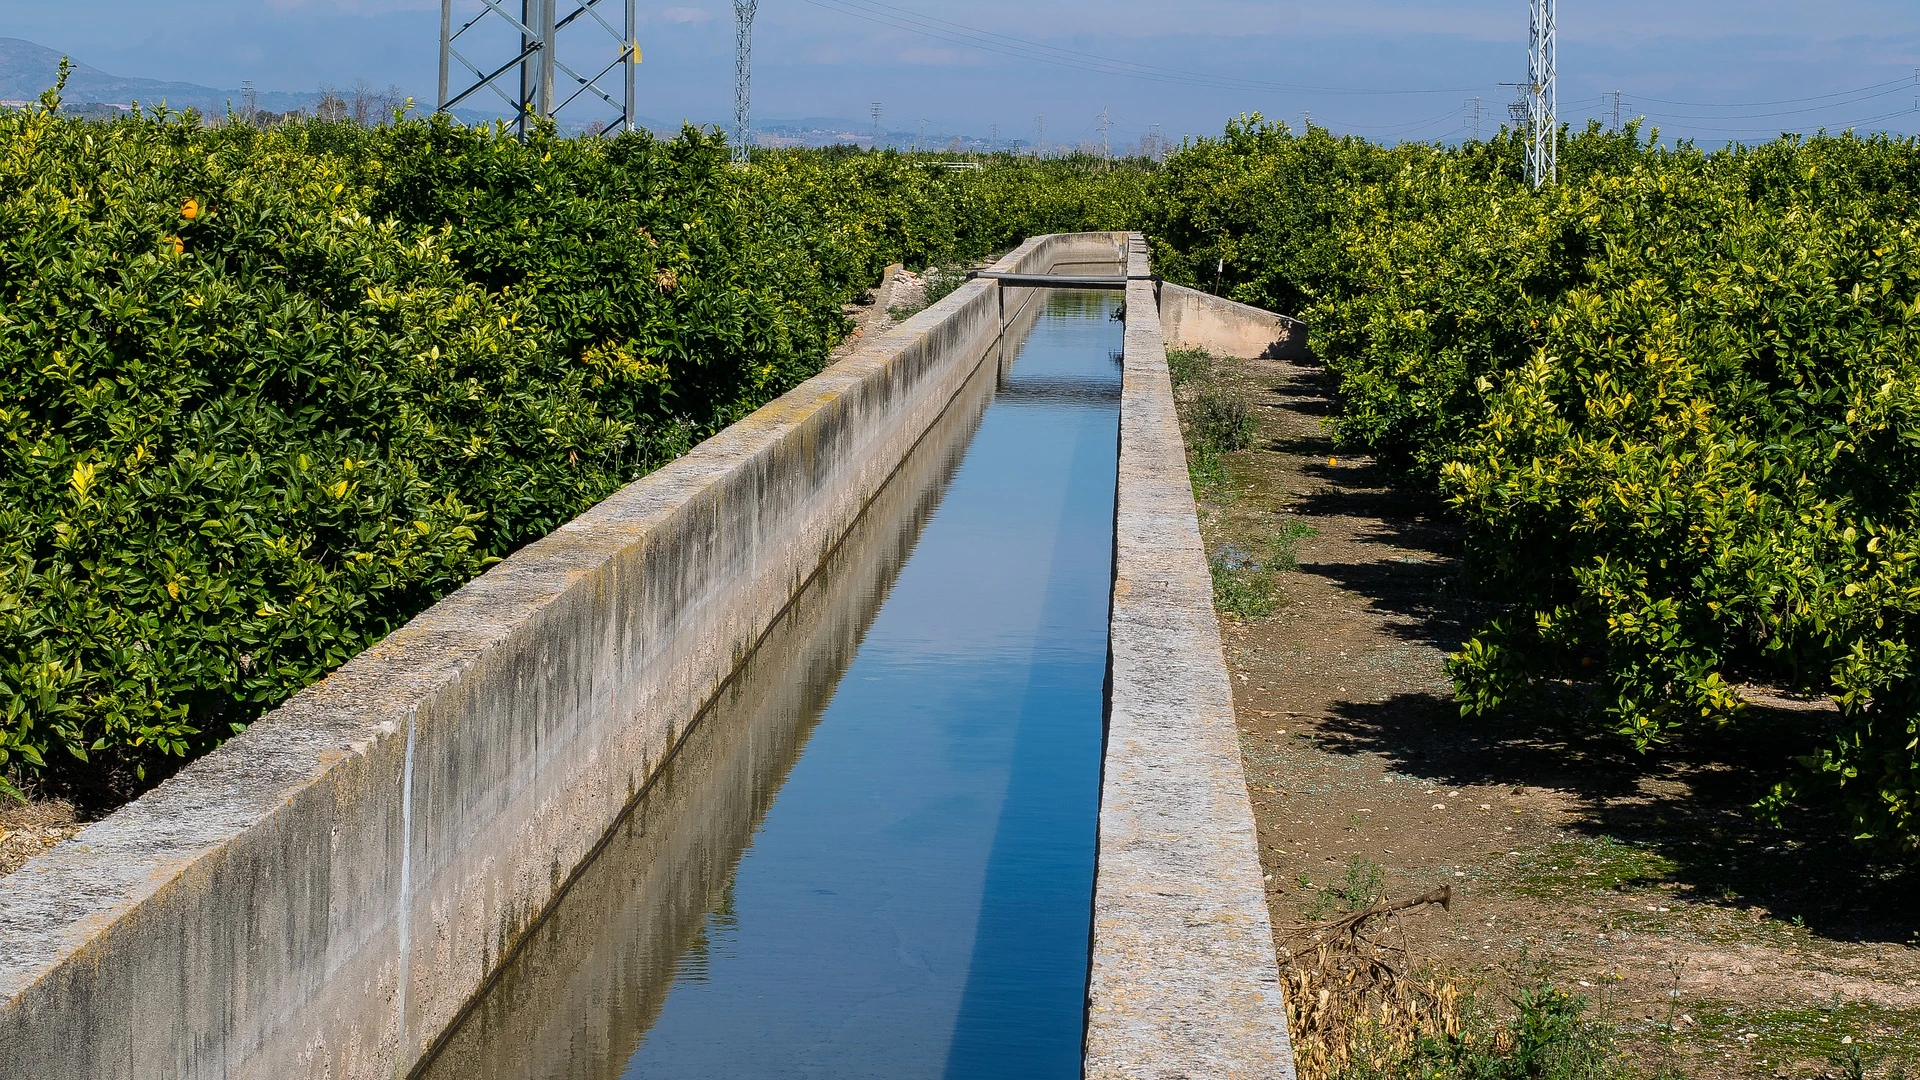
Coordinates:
x,y
529,82
876,125
742,76
1543,122
1106,147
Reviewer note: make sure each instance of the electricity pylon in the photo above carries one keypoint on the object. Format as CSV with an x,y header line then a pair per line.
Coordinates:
x,y
1543,122
539,79
742,75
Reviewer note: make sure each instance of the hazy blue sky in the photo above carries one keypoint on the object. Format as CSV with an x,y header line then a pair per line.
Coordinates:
x,y
834,57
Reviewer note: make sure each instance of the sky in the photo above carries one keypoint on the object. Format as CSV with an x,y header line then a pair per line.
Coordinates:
x,y
1388,69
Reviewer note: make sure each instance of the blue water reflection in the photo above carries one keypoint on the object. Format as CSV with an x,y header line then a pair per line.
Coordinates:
x,y
914,872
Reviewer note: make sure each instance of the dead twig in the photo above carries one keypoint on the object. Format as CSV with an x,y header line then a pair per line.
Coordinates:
x,y
1350,997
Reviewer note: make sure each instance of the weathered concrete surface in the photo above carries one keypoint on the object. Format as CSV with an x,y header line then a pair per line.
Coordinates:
x,y
322,895
607,954
1191,319
1184,981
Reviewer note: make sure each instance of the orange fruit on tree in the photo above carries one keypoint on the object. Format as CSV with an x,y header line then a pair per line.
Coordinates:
x,y
190,209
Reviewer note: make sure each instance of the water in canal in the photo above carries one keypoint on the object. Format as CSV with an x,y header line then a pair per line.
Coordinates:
x,y
873,857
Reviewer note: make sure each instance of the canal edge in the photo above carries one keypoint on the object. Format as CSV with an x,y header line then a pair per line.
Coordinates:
x,y
1184,980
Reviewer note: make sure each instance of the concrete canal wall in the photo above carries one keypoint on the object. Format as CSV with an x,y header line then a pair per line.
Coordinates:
x,y
1191,319
1184,980
321,896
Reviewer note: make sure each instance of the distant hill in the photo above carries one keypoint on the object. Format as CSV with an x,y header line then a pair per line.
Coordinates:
x,y
27,70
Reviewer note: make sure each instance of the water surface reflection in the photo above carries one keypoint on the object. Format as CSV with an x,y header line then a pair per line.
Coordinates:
x,y
909,896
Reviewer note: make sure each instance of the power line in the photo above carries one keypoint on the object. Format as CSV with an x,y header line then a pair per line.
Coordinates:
x,y
1896,89
1022,48
1783,101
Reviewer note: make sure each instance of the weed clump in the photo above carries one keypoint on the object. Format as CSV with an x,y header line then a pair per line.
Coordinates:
x,y
1358,1010
1221,417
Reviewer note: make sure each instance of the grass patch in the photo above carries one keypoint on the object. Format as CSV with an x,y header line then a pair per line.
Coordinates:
x,y
1188,366
1568,868
1854,1039
1245,584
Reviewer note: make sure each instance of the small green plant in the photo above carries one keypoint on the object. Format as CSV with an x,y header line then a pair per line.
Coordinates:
x,y
1283,550
1242,586
1209,473
1188,366
1222,417
1363,885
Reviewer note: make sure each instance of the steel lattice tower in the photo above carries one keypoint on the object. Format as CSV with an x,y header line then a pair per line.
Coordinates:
x,y
1543,122
743,76
533,69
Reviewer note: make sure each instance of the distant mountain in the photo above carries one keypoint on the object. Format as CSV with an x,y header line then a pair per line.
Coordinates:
x,y
27,70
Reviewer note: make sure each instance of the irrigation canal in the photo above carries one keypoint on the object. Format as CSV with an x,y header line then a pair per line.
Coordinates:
x,y
874,855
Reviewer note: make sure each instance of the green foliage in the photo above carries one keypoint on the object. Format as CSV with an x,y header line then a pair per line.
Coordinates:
x,y
1548,1034
1675,400
267,394
1222,418
1187,366
1242,585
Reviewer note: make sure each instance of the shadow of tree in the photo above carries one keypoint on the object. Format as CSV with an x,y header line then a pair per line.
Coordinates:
x,y
1689,802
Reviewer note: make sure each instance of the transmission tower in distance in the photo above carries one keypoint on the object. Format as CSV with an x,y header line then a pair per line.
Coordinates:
x,y
1106,147
1543,121
876,125
1040,135
743,76
539,78
1616,110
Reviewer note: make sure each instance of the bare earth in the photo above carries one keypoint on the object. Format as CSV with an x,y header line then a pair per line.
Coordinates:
x,y
26,831
1717,945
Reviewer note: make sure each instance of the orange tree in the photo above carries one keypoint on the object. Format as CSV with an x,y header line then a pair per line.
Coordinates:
x,y
266,394
1672,400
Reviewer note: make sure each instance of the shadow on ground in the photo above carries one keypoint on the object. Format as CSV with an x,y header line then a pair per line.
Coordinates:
x,y
1689,803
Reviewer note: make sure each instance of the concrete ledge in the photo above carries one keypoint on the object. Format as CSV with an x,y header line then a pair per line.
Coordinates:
x,y
1184,983
1191,319
322,895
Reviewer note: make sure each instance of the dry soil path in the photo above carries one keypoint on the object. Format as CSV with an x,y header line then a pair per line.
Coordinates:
x,y
1717,945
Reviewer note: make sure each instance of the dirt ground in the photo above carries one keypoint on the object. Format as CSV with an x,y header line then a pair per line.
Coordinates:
x,y
27,830
1717,946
